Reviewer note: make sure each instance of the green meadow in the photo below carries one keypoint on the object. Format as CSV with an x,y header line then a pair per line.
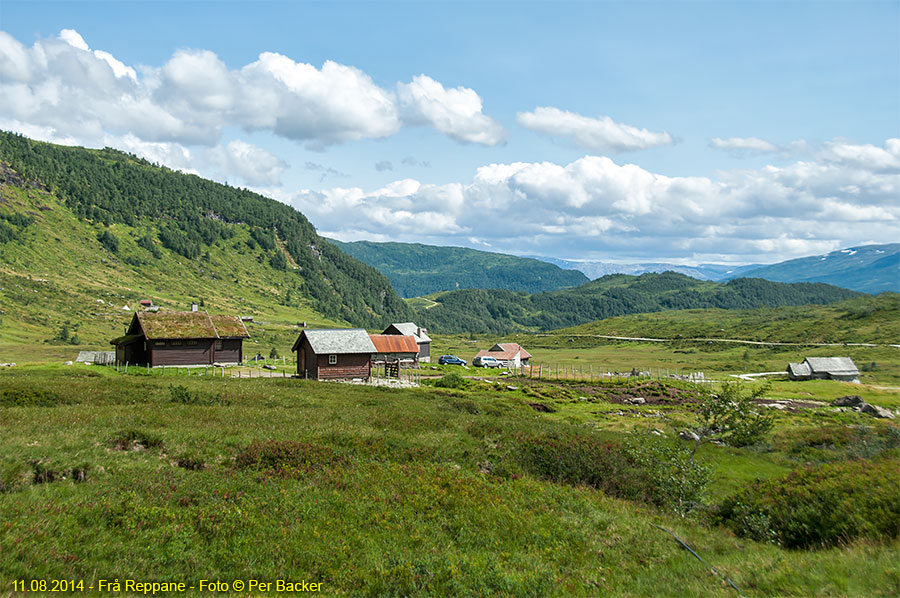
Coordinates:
x,y
397,492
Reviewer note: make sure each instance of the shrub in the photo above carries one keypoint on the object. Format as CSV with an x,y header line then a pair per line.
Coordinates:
x,y
818,506
451,380
288,458
185,396
134,440
109,241
28,397
656,472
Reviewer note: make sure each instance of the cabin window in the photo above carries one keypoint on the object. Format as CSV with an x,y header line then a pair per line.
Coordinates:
x,y
332,360
219,345
175,343
159,343
191,343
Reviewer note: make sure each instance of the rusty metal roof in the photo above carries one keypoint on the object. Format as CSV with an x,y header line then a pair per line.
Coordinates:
x,y
394,343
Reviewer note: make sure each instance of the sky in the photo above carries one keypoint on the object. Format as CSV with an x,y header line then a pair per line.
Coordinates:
x,y
630,131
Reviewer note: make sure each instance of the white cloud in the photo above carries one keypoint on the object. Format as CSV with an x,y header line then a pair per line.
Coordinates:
x,y
744,145
253,164
454,112
601,135
62,85
593,207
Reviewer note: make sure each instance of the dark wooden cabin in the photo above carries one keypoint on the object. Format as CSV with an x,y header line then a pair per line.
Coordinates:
x,y
334,354
181,338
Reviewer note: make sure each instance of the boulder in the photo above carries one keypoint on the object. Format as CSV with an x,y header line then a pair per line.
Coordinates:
x,y
636,401
876,411
688,435
849,401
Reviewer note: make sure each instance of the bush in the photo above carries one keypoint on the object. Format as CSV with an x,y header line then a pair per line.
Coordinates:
x,y
134,440
818,506
655,471
109,241
451,380
185,396
28,397
288,458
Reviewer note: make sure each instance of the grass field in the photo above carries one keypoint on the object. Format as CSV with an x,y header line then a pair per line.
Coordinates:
x,y
372,492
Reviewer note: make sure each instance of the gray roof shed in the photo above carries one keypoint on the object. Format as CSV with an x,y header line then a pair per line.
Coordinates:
x,y
410,329
340,341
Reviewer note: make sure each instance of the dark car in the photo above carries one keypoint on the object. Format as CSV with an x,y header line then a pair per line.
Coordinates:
x,y
451,360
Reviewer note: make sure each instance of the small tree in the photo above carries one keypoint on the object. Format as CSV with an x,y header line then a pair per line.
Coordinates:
x,y
273,354
732,417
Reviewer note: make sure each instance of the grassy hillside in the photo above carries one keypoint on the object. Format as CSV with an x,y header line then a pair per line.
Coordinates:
x,y
415,269
870,269
614,295
157,209
865,319
68,267
386,492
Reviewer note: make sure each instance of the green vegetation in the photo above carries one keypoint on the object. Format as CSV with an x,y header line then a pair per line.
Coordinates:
x,y
415,269
499,311
428,491
864,319
818,506
191,217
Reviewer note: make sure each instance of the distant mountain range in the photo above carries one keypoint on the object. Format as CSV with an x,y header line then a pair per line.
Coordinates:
x,y
415,269
868,269
701,272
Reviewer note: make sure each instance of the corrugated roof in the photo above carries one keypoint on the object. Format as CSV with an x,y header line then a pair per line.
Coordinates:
x,y
394,343
832,365
338,341
505,351
411,329
799,370
177,324
229,327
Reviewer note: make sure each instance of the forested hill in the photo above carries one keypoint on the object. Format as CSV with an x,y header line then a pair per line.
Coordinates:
x,y
415,269
152,219
487,311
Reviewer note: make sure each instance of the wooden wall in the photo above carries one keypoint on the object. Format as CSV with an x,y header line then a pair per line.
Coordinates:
x,y
181,354
355,365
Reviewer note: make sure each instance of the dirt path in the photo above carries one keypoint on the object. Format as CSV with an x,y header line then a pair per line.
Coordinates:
x,y
724,340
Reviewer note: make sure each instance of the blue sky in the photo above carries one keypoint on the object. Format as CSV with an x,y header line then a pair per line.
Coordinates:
x,y
679,131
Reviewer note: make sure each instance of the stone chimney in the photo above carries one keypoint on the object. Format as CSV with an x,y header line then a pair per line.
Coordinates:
x,y
193,307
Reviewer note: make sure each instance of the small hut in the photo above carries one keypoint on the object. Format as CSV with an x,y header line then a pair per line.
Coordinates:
x,y
334,354
824,368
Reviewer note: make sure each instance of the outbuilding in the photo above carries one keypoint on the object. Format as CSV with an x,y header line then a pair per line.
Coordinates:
x,y
824,368
181,338
395,348
334,354
419,333
509,354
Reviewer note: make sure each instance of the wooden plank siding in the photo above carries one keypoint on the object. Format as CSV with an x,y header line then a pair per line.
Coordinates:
x,y
351,365
181,352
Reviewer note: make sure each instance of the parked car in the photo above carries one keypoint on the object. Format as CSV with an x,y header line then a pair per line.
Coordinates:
x,y
485,361
451,360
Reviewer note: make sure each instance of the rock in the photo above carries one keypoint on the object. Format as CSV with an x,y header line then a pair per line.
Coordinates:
x,y
512,388
68,363
876,411
268,367
637,401
688,435
849,401
778,406
656,432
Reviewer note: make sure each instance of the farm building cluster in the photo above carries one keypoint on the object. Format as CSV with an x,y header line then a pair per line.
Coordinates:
x,y
193,338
